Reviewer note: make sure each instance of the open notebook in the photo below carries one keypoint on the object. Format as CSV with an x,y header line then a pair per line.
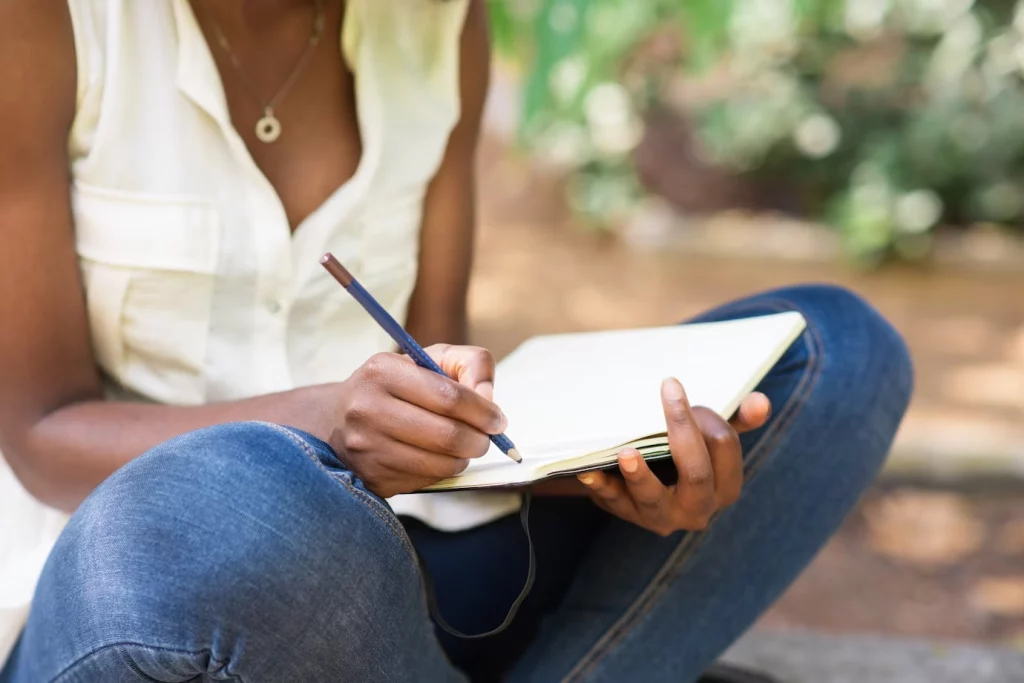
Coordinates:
x,y
574,400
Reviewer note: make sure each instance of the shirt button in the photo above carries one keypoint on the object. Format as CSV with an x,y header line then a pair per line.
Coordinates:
x,y
274,306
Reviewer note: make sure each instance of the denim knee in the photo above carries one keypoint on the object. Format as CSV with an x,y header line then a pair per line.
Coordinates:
x,y
228,535
862,369
857,340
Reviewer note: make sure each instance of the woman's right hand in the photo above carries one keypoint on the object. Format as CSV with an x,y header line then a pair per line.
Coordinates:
x,y
403,427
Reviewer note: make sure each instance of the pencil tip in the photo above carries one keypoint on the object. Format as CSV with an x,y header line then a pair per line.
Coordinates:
x,y
514,454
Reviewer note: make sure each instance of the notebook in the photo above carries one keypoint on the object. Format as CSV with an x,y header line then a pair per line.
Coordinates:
x,y
573,401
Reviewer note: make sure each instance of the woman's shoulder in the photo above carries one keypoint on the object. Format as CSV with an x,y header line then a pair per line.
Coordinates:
x,y
96,22
424,29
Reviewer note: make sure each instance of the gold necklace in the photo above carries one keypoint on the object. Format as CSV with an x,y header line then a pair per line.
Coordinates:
x,y
268,128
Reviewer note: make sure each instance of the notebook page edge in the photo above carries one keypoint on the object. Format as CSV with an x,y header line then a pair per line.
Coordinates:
x,y
800,324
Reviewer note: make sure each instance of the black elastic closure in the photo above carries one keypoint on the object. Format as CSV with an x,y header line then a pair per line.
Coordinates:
x,y
428,584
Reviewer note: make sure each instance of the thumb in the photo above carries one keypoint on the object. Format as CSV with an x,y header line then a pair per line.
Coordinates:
x,y
753,413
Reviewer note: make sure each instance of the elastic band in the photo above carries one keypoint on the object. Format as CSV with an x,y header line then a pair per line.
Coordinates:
x,y
428,584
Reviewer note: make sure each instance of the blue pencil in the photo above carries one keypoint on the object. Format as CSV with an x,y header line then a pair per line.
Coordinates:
x,y
398,333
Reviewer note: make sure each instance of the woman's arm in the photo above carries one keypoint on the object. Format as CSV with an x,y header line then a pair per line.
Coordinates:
x,y
56,431
437,312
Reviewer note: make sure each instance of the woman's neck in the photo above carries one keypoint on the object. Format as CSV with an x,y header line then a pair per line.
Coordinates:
x,y
257,18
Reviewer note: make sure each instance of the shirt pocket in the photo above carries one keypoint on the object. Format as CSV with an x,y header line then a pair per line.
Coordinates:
x,y
149,266
391,247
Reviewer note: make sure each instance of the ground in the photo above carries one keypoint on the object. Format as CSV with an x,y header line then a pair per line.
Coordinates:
x,y
918,563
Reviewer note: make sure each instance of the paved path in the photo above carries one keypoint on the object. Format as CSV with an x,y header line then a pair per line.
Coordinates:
x,y
814,658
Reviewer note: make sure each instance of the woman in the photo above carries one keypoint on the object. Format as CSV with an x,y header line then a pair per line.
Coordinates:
x,y
170,173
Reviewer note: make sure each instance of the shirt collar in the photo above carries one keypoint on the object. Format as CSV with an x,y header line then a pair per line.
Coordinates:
x,y
197,76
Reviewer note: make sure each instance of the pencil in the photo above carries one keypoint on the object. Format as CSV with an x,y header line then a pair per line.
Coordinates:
x,y
398,333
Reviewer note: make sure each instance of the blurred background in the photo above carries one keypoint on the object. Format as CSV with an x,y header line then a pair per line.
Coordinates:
x,y
646,160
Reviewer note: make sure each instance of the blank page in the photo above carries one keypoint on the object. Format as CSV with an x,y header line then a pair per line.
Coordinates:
x,y
573,394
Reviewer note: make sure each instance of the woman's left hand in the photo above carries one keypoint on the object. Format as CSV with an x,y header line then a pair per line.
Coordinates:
x,y
706,451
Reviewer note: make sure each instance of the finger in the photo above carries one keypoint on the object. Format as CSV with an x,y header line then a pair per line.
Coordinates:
x,y
410,424
485,389
470,366
396,462
723,444
435,393
409,470
696,488
652,500
752,414
409,460
609,494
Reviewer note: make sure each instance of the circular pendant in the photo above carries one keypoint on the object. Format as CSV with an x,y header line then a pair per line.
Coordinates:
x,y
268,128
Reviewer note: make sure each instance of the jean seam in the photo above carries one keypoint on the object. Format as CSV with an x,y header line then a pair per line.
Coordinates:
x,y
807,384
689,544
135,669
371,503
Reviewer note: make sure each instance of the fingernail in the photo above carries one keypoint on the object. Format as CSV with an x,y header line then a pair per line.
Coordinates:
x,y
672,389
630,463
586,479
502,421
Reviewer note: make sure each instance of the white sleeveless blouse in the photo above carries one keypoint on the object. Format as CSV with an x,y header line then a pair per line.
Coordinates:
x,y
197,290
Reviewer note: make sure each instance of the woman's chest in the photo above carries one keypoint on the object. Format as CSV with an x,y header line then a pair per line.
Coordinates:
x,y
197,288
291,99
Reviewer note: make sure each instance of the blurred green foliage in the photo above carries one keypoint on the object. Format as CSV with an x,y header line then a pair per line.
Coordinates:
x,y
886,117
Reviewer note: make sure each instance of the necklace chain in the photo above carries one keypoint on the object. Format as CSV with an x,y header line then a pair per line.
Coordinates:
x,y
268,128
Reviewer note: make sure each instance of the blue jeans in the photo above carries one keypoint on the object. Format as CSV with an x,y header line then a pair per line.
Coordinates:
x,y
247,552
